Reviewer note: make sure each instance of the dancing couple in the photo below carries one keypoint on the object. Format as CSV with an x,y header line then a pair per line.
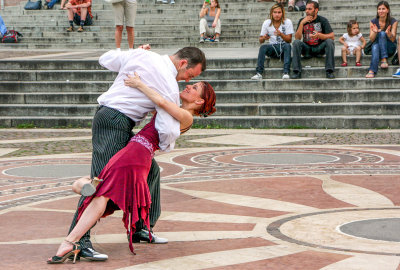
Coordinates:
x,y
145,81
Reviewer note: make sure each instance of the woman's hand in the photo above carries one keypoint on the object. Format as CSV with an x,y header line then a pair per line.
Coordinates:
x,y
145,47
374,28
214,24
133,81
389,32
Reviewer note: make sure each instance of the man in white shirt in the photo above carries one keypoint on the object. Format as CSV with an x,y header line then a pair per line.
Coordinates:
x,y
122,107
278,31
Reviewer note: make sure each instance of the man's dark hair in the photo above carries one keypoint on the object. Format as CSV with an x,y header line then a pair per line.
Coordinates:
x,y
316,5
193,55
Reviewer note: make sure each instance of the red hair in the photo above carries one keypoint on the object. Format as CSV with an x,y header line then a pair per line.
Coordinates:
x,y
208,107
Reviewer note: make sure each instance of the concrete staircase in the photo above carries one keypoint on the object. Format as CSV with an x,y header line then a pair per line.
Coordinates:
x,y
62,93
166,26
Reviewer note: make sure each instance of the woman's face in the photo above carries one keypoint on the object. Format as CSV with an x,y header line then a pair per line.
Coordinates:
x,y
192,93
277,14
382,11
213,3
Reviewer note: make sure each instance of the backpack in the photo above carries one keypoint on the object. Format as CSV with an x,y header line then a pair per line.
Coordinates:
x,y
33,5
11,36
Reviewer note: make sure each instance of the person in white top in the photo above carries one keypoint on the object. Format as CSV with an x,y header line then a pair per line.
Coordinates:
x,y
278,31
123,107
353,43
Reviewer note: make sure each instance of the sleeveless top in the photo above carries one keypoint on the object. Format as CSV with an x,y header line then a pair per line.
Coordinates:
x,y
148,136
209,19
376,22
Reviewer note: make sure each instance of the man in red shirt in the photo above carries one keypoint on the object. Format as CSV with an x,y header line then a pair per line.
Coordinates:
x,y
80,12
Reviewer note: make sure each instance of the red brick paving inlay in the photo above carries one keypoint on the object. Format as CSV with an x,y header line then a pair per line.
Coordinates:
x,y
181,226
64,204
288,189
119,255
176,201
23,225
307,260
386,185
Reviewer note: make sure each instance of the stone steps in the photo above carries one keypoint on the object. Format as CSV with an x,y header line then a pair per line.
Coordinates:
x,y
232,109
56,93
218,63
219,85
318,122
209,74
223,97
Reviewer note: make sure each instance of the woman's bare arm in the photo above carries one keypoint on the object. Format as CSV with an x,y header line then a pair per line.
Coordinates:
x,y
182,115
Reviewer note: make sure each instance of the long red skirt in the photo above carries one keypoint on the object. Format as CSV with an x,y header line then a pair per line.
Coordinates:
x,y
125,184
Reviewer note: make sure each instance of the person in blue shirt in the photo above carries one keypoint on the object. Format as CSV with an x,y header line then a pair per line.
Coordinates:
x,y
3,28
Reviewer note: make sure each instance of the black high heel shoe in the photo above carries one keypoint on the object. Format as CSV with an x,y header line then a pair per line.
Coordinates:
x,y
74,252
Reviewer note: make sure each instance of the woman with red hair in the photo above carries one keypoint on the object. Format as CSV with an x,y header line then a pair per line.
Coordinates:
x,y
123,182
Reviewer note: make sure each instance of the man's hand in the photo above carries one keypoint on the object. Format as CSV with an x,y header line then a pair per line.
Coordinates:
x,y
278,33
306,19
314,35
133,81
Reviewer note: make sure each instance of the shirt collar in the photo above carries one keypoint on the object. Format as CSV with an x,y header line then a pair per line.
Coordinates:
x,y
170,65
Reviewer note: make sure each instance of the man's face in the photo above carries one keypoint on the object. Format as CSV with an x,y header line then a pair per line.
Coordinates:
x,y
277,14
186,74
192,93
311,11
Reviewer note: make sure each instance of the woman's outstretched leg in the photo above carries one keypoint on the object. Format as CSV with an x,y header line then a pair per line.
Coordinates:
x,y
88,218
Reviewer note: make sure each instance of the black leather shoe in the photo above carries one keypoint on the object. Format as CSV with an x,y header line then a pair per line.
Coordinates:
x,y
92,255
143,235
296,75
330,75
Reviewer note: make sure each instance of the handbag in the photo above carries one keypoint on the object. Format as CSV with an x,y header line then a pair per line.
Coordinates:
x,y
113,1
395,59
368,48
33,5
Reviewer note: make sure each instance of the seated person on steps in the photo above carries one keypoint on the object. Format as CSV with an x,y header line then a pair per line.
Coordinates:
x,y
278,31
210,23
318,39
80,12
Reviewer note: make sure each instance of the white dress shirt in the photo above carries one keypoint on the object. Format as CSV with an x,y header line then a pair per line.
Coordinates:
x,y
156,71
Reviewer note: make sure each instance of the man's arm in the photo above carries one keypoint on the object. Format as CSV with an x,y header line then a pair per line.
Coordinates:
x,y
327,32
299,32
112,60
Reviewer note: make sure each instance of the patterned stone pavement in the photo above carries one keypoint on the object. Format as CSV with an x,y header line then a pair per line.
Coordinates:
x,y
231,199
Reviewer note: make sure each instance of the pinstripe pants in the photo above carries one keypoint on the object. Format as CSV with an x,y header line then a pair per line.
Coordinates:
x,y
111,131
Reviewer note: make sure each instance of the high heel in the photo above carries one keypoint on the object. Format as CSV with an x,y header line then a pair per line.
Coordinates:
x,y
75,250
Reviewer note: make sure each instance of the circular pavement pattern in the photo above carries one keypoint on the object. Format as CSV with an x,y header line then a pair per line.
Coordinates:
x,y
286,158
323,208
50,171
386,229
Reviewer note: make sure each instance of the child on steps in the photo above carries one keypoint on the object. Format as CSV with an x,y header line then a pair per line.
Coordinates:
x,y
353,43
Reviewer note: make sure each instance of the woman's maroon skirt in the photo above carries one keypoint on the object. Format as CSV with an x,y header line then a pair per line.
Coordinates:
x,y
125,184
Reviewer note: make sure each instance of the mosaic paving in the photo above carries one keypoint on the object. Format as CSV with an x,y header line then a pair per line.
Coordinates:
x,y
246,207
